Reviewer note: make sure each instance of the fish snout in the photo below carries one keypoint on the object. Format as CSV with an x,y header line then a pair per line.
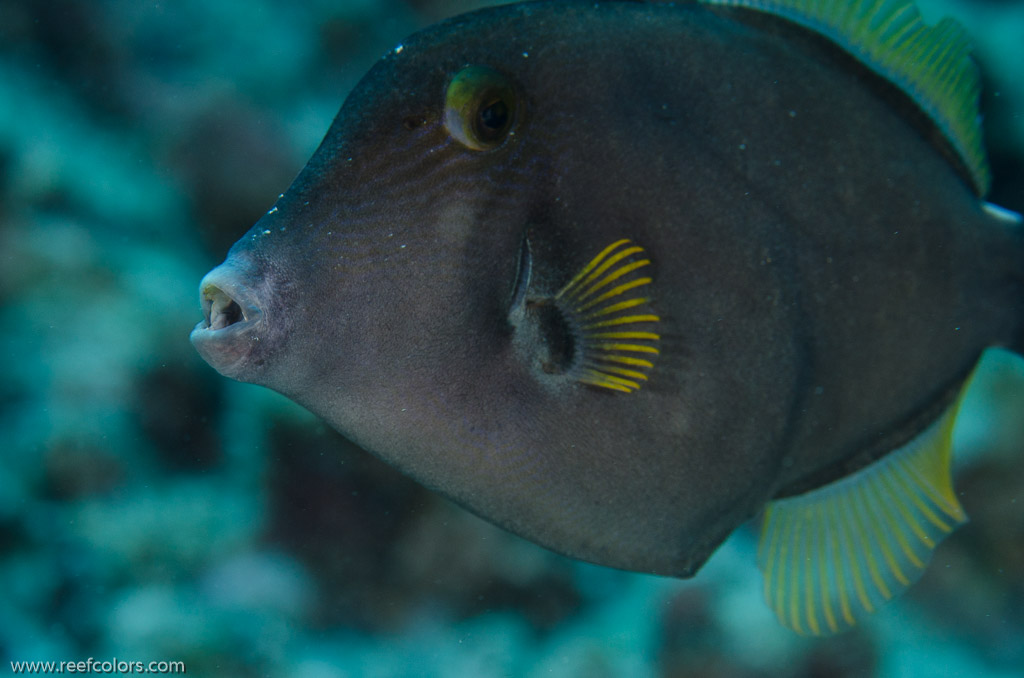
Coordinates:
x,y
229,332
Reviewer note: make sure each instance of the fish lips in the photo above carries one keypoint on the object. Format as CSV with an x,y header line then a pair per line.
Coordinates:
x,y
228,336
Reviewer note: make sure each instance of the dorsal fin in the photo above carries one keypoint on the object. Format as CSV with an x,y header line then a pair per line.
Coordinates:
x,y
932,64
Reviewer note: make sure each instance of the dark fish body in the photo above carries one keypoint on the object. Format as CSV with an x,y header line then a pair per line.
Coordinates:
x,y
823,274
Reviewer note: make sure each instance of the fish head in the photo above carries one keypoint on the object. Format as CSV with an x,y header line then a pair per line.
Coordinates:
x,y
401,246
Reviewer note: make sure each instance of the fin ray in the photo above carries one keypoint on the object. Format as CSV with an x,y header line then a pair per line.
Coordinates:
x,y
611,327
835,554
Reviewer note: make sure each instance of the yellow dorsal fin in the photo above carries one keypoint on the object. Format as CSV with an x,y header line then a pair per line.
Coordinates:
x,y
930,63
833,555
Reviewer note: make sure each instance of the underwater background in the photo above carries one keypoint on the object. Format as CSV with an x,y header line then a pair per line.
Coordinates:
x,y
151,510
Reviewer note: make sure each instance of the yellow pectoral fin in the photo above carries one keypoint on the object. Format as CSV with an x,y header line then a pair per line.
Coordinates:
x,y
614,325
833,555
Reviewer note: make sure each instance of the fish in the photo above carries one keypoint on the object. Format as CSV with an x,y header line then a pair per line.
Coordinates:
x,y
620,277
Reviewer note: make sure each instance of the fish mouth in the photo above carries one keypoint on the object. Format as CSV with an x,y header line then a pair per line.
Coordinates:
x,y
221,310
232,316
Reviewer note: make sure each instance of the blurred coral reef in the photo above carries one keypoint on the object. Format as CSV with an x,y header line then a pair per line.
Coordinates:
x,y
152,510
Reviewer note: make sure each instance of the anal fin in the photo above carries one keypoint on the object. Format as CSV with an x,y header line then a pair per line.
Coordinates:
x,y
835,554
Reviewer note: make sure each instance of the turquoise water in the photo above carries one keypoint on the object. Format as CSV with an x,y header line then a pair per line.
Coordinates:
x,y
151,510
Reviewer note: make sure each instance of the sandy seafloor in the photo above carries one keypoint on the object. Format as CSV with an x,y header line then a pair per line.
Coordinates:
x,y
152,510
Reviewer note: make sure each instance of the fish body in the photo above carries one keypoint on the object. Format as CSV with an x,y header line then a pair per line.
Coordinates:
x,y
685,260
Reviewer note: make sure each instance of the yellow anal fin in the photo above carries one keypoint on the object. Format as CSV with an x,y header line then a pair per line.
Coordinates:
x,y
932,64
835,554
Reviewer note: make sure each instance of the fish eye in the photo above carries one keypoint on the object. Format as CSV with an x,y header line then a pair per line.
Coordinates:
x,y
480,107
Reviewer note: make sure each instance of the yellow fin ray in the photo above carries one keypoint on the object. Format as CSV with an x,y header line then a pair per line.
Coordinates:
x,y
623,320
611,324
835,554
612,276
621,371
585,274
603,378
931,64
626,360
594,281
616,291
615,308
625,335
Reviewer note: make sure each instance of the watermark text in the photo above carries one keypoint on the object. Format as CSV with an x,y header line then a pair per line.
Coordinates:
x,y
99,666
